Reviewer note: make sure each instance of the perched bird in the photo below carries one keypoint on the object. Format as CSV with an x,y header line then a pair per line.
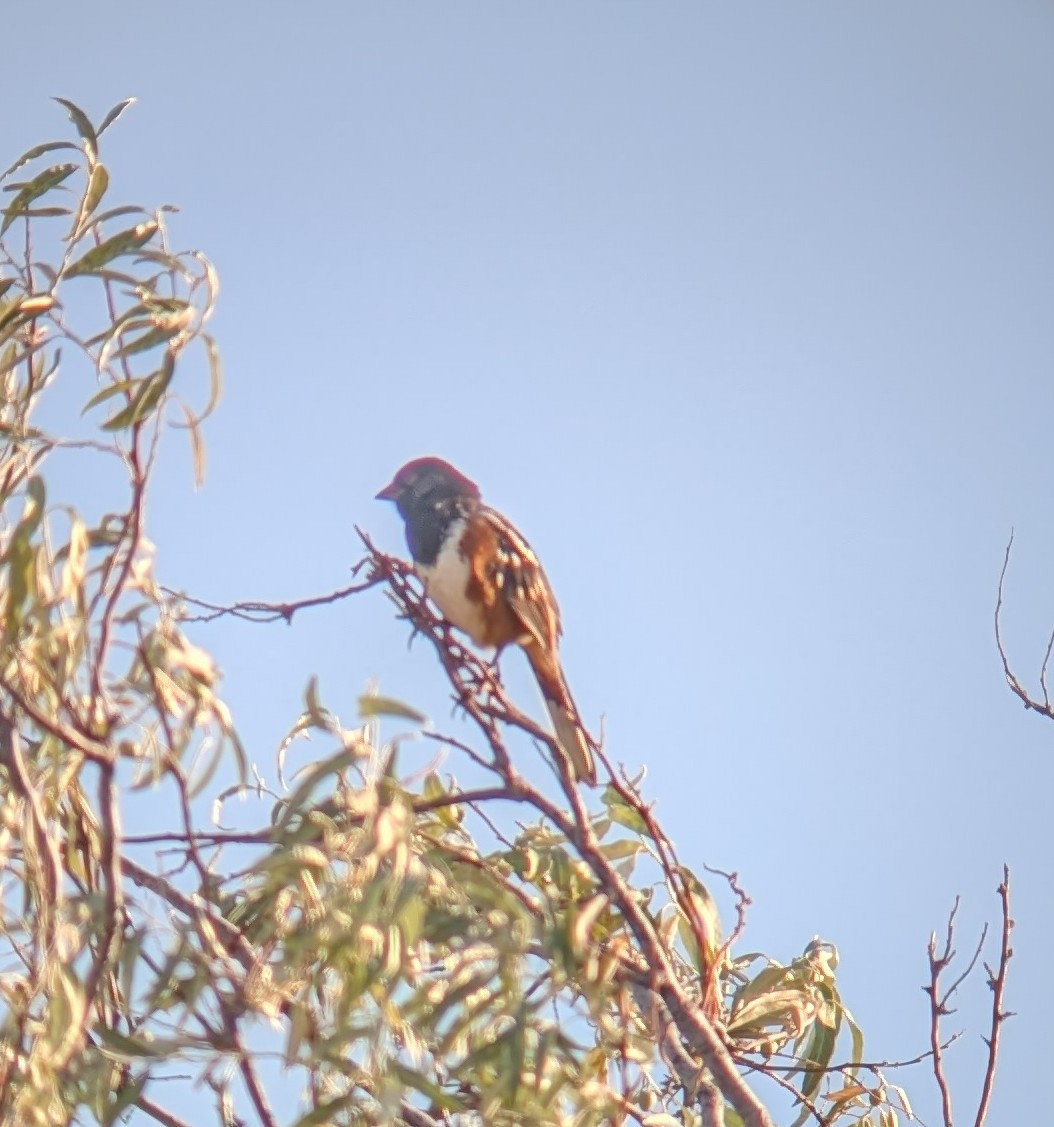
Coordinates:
x,y
487,581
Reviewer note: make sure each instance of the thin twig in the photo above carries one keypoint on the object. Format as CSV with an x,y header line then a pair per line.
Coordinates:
x,y
969,967
1043,672
1044,707
254,611
938,1008
250,1079
162,1115
71,737
813,1110
856,1065
743,901
997,982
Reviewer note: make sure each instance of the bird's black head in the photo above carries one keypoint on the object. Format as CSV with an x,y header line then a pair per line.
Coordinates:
x,y
425,482
430,495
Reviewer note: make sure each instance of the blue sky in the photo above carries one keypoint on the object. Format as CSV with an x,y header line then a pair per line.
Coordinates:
x,y
743,314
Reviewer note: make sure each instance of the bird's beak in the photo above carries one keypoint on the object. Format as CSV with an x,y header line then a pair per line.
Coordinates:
x,y
388,493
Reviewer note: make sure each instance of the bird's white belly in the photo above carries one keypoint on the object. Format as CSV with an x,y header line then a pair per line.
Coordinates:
x,y
446,581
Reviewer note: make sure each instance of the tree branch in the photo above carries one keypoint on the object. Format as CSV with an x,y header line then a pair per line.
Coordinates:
x,y
256,611
997,983
1043,707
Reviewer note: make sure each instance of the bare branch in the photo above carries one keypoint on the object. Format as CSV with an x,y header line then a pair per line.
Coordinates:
x,y
1043,707
711,1105
743,901
938,1008
997,983
939,962
255,611
71,737
162,1115
1043,671
251,1079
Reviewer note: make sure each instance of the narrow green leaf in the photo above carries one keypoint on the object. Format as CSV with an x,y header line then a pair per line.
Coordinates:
x,y
13,356
98,182
203,775
37,492
167,262
318,713
622,848
37,151
124,1097
117,212
49,274
314,775
124,242
118,277
151,389
150,339
45,212
113,115
818,1056
440,1098
40,184
766,981
235,744
623,813
857,1035
389,706
325,1112
83,126
19,558
127,1047
774,1008
122,324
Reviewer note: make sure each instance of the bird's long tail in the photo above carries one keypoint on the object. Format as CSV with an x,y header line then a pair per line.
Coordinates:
x,y
568,726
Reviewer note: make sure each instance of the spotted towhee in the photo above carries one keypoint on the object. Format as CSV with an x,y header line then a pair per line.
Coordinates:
x,y
487,581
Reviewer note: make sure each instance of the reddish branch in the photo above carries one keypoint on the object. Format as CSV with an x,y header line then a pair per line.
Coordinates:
x,y
1044,706
997,983
940,997
938,1009
269,612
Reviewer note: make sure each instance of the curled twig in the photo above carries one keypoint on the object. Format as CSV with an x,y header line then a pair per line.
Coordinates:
x,y
1044,706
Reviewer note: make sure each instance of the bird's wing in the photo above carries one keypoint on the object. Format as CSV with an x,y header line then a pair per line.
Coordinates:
x,y
518,572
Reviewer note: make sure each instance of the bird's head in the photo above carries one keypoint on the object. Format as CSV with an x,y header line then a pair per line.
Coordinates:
x,y
427,481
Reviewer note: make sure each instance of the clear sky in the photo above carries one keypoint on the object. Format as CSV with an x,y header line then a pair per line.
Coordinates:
x,y
744,313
